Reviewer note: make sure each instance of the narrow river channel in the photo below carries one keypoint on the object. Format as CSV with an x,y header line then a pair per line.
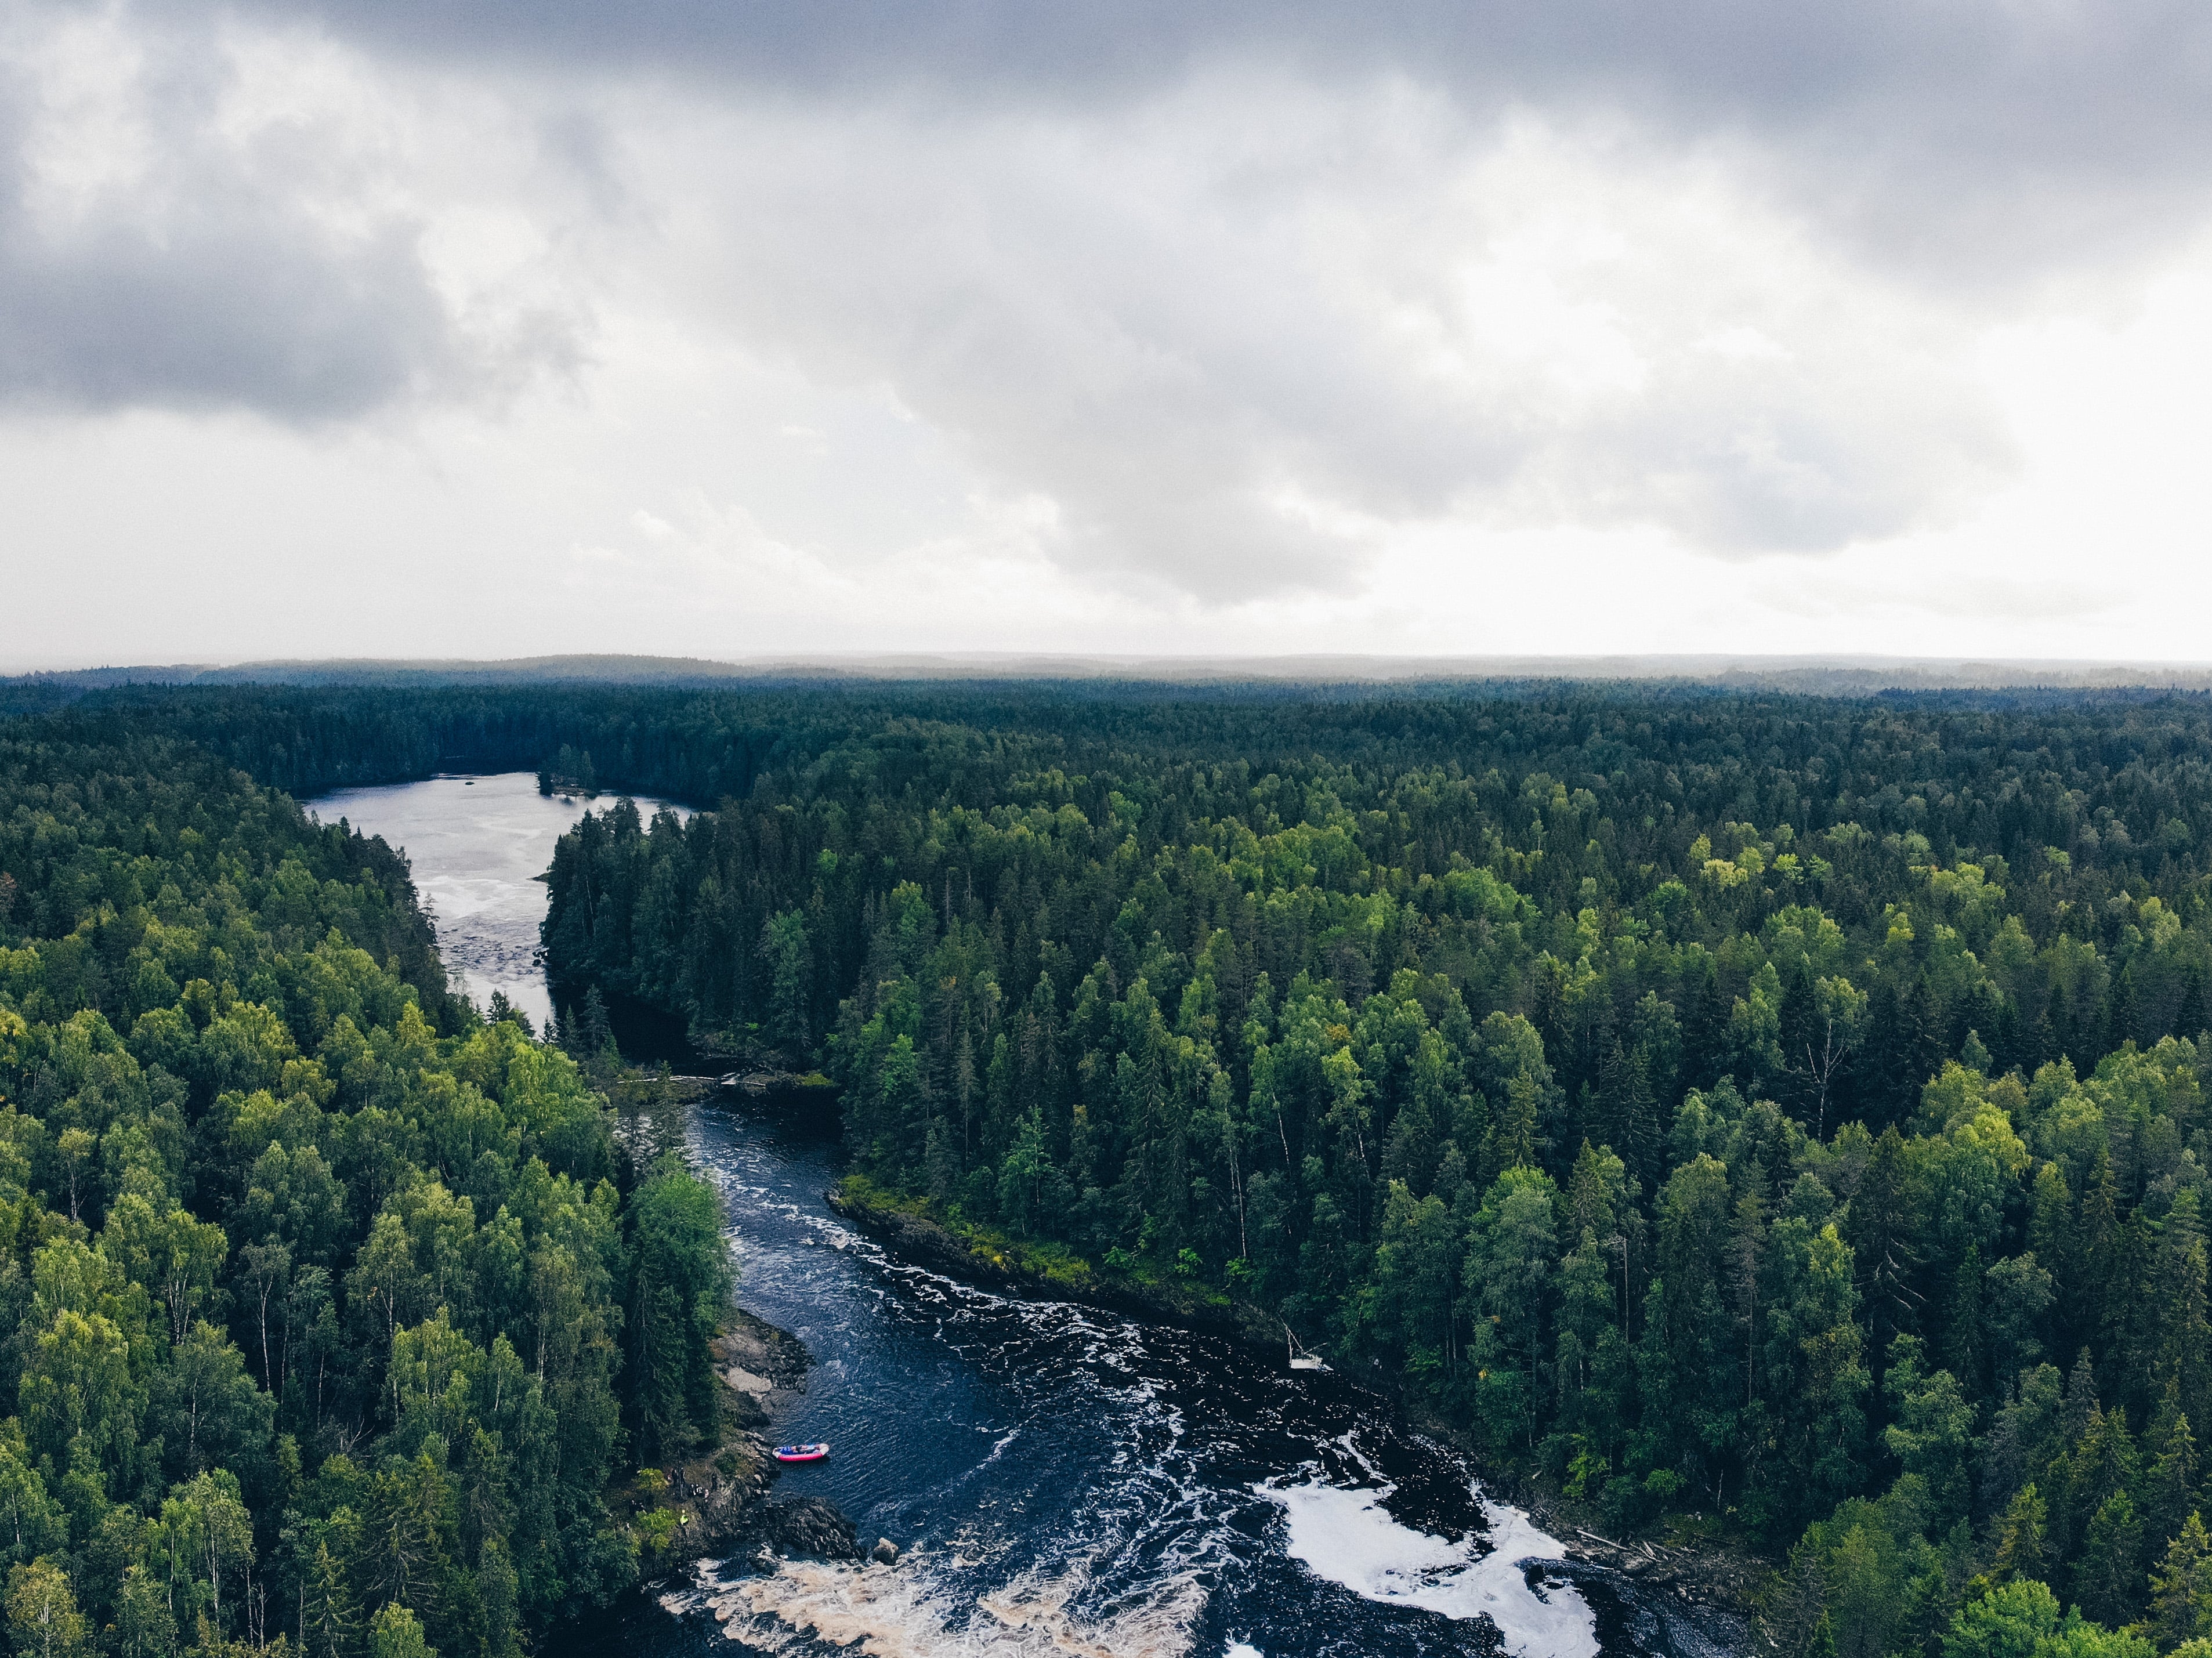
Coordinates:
x,y
1062,1481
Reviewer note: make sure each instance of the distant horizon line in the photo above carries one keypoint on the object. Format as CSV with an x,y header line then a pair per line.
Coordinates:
x,y
1799,673
1904,672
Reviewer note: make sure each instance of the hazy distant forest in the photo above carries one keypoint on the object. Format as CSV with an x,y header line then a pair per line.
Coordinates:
x,y
1777,1110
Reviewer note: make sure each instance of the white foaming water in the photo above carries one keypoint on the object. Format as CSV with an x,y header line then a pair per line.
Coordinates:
x,y
906,1611
1346,1536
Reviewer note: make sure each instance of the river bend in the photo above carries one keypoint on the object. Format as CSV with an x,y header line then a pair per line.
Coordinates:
x,y
1062,1481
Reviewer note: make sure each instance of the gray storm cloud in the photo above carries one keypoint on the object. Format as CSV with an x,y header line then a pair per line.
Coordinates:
x,y
1235,289
249,312
200,278
167,239
1923,126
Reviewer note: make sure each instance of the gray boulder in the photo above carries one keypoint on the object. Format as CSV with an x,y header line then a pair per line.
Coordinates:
x,y
810,1525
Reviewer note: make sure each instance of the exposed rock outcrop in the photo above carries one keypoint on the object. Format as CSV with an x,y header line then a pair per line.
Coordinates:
x,y
809,1525
721,1496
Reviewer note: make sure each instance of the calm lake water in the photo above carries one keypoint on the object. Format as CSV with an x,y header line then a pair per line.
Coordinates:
x,y
1063,1481
477,845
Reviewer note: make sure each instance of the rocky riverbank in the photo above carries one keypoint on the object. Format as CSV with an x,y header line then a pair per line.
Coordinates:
x,y
721,1498
1697,1571
983,1257
770,1083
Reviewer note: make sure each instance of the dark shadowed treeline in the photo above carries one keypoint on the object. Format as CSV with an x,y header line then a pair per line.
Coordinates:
x,y
328,1312
701,746
1782,1109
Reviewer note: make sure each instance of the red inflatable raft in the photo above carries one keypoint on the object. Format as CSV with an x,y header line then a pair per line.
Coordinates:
x,y
800,1453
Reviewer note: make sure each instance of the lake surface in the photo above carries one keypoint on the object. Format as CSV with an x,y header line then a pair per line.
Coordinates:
x,y
1062,1481
477,845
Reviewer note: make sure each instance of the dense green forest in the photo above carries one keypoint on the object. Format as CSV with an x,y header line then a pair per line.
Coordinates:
x,y
1786,1110
1780,1109
702,746
329,1312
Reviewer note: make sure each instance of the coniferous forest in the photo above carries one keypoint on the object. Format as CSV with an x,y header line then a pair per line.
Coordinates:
x,y
1780,1116
1785,1111
328,1311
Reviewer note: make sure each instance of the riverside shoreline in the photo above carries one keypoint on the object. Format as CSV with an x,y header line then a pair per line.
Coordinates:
x,y
724,1493
926,1241
1700,1572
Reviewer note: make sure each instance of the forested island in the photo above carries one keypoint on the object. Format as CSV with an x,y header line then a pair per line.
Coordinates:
x,y
1777,1119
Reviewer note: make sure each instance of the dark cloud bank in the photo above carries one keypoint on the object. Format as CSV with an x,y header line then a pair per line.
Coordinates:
x,y
1971,142
1966,150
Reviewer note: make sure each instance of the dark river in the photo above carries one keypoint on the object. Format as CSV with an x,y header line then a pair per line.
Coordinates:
x,y
1064,1480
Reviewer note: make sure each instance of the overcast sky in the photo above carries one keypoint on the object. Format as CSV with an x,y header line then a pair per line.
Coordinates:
x,y
737,328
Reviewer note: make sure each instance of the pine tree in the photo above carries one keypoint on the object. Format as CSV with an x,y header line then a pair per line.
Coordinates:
x,y
329,1618
2185,1330
2050,1236
1799,1019
1625,1111
2189,1011
2021,1549
1962,1321
2009,1042
2108,1578
1884,1227
2055,1030
2169,1481
403,1554
1705,1033
596,1033
1513,1136
1605,1118
2121,1025
2097,1246
2181,1586
1746,1256
2081,1401
1640,1126
1878,1102
1922,1043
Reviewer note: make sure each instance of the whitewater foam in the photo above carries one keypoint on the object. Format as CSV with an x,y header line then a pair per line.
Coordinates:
x,y
908,1612
1344,1535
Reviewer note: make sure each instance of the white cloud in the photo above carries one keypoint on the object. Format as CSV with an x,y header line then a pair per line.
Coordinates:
x,y
1251,356
1205,339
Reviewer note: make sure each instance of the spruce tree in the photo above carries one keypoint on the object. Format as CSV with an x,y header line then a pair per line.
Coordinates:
x,y
596,1033
2181,1586
2121,1025
2108,1576
1884,1229
2170,1480
2021,1550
